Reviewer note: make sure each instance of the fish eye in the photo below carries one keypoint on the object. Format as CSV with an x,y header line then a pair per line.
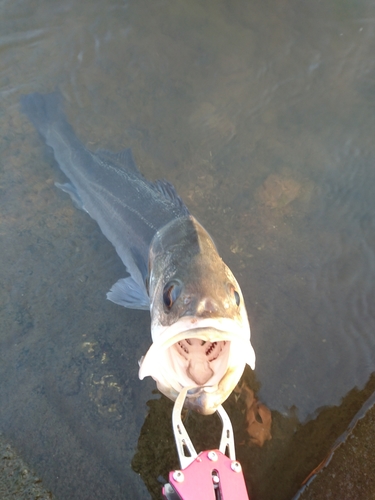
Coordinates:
x,y
234,294
171,292
236,297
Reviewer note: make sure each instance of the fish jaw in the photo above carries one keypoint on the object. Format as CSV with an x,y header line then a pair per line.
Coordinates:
x,y
218,351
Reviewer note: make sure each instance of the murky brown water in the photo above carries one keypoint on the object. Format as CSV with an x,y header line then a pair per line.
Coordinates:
x,y
262,114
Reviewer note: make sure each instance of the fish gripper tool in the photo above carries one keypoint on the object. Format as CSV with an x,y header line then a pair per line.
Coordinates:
x,y
209,475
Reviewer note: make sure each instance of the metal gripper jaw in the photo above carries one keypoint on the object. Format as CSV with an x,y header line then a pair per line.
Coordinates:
x,y
209,475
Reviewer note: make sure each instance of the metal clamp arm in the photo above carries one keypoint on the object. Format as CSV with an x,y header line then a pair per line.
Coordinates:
x,y
211,475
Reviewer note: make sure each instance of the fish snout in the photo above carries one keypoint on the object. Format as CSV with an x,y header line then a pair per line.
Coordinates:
x,y
207,307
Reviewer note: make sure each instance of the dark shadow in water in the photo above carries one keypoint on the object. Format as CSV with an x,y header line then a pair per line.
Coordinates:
x,y
275,470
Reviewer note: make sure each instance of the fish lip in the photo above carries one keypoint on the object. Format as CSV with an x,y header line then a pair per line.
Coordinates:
x,y
196,391
206,399
196,399
187,326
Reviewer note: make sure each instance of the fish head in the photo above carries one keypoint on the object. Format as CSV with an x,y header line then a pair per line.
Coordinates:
x,y
200,331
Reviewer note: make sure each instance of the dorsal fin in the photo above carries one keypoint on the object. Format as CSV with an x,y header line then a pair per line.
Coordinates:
x,y
122,159
169,192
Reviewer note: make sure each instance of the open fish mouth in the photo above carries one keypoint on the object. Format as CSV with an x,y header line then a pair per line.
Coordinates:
x,y
210,359
195,357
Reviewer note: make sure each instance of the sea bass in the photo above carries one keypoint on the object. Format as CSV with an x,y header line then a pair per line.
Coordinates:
x,y
199,325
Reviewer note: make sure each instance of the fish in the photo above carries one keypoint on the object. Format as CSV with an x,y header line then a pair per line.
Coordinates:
x,y
199,325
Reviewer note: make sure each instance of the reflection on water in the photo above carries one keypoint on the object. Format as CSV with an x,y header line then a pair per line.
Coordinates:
x,y
262,115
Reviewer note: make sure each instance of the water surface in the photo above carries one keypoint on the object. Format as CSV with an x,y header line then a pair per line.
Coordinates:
x,y
262,114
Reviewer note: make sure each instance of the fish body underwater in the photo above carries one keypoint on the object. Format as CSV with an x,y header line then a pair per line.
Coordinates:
x,y
199,325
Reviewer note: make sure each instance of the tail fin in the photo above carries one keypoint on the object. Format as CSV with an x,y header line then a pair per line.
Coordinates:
x,y
43,110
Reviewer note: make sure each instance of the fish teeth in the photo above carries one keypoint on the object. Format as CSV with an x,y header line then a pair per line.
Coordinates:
x,y
189,348
214,350
211,348
183,347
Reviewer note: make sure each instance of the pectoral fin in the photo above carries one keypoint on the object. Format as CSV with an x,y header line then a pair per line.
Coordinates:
x,y
73,193
126,292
